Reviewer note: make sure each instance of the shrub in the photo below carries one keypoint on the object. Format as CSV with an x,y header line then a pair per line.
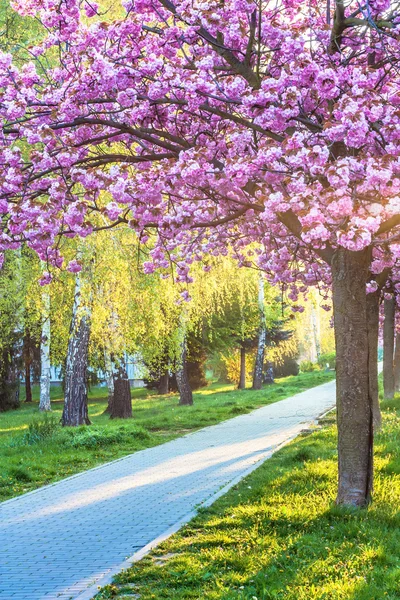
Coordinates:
x,y
289,367
40,429
306,366
92,437
329,358
20,474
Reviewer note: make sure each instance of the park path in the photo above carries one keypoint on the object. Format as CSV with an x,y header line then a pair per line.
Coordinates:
x,y
64,540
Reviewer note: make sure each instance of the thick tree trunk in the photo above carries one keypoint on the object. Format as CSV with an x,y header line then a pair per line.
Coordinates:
x,y
388,348
182,380
259,365
10,366
242,374
397,364
163,386
75,401
27,366
373,332
354,404
121,406
45,365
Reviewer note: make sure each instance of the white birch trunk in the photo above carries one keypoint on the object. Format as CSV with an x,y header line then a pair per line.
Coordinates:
x,y
44,402
182,378
262,337
316,328
110,369
75,401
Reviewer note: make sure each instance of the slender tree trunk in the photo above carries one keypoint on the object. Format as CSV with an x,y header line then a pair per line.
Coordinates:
x,y
373,332
121,406
75,401
45,364
10,367
28,385
27,366
109,372
163,386
354,404
242,375
315,326
388,348
182,380
262,336
397,364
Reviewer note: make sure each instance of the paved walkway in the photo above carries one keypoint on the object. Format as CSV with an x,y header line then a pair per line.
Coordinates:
x,y
62,541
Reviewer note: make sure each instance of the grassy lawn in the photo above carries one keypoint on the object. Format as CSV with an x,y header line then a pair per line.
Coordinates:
x,y
36,450
278,535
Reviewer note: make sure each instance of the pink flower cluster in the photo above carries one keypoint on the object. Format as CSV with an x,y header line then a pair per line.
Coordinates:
x,y
211,128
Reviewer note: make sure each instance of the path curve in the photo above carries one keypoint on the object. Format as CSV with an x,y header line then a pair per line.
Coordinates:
x,y
63,541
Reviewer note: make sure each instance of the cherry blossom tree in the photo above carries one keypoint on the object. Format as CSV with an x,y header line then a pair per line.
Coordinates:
x,y
220,123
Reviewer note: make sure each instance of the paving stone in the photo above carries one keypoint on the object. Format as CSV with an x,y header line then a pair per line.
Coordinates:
x,y
76,531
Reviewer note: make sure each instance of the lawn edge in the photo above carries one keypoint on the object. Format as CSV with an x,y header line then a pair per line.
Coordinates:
x,y
95,589
110,462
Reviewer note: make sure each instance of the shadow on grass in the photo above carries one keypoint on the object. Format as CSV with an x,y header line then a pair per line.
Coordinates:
x,y
278,535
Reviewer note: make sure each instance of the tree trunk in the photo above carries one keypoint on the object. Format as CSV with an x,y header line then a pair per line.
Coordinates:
x,y
242,376
163,386
259,365
10,366
388,348
315,326
45,365
121,406
373,332
27,366
182,380
354,404
28,386
26,352
109,371
75,402
397,364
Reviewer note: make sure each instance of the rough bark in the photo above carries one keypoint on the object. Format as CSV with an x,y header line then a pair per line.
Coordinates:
x,y
75,401
242,374
121,406
163,386
262,336
388,348
397,364
354,404
45,364
10,367
373,332
182,380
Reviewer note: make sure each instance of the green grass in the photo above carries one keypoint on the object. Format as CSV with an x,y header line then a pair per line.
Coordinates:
x,y
278,535
36,450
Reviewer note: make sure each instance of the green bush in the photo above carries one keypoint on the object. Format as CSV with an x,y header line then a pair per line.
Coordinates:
x,y
329,358
41,428
20,474
306,366
96,437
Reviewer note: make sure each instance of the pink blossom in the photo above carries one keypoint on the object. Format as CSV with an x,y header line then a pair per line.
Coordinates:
x,y
74,266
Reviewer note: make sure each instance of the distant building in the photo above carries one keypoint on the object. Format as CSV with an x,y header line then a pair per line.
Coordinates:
x,y
135,367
